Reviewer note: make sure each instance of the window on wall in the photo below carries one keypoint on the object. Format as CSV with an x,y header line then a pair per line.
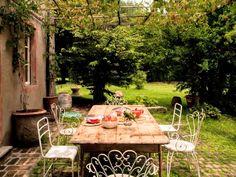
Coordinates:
x,y
27,65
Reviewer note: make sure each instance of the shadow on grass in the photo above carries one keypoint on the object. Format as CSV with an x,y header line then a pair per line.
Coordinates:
x,y
81,101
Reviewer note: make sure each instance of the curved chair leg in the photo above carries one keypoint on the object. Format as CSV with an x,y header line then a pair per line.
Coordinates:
x,y
169,161
196,163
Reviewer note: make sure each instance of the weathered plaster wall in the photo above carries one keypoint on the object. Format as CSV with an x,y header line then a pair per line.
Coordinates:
x,y
1,106
10,82
1,120
9,89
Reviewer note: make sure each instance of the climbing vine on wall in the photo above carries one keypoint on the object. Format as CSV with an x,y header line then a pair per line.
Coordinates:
x,y
15,16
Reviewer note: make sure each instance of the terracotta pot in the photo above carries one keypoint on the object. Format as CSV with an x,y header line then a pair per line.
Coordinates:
x,y
191,100
24,124
176,99
47,101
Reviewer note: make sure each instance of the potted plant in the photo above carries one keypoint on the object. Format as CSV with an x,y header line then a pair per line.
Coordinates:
x,y
192,100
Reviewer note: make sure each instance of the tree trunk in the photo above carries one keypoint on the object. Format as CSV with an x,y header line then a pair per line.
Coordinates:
x,y
98,93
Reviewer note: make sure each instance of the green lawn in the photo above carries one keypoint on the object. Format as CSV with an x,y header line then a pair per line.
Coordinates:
x,y
217,145
163,92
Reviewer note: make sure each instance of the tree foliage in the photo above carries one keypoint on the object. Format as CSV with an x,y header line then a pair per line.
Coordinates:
x,y
192,42
99,58
197,47
15,17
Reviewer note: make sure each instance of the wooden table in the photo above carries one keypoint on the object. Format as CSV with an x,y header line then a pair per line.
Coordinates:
x,y
144,135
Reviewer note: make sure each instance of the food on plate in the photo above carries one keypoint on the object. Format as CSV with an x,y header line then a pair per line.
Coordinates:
x,y
121,119
107,118
129,116
137,112
93,119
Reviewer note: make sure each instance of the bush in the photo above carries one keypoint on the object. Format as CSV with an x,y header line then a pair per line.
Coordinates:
x,y
139,79
146,101
211,111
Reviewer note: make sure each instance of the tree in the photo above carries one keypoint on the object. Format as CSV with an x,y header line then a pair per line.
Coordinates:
x,y
197,44
98,58
103,52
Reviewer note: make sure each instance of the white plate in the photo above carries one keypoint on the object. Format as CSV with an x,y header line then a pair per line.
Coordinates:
x,y
91,125
92,116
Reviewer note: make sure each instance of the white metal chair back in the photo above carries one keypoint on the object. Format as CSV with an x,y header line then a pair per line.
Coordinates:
x,y
43,131
186,143
58,114
194,122
51,151
177,115
126,164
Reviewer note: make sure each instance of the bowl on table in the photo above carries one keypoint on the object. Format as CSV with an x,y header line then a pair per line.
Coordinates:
x,y
109,121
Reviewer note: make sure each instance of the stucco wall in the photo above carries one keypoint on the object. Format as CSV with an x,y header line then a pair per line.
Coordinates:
x,y
10,82
1,119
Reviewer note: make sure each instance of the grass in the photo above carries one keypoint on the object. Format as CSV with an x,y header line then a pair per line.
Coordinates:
x,y
217,145
163,92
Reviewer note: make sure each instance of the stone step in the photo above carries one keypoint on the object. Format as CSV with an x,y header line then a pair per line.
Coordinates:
x,y
4,150
160,109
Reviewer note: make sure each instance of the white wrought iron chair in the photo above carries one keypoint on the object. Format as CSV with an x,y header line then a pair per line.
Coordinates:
x,y
118,164
186,144
176,120
53,152
58,114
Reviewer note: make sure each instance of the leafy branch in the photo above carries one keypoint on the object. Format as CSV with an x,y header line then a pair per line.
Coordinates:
x,y
15,16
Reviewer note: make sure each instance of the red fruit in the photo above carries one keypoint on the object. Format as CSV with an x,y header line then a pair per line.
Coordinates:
x,y
107,118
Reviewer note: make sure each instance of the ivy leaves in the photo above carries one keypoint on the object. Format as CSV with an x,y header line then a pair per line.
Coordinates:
x,y
15,16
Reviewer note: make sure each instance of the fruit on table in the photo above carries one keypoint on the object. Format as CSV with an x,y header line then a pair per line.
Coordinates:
x,y
109,121
109,118
137,112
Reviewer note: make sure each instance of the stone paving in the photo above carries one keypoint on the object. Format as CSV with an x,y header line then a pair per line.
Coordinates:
x,y
19,162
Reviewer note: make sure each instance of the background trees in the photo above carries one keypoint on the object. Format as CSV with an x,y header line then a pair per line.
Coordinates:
x,y
192,42
196,51
99,58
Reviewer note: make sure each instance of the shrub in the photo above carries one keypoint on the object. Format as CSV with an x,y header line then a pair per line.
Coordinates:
x,y
146,101
211,111
139,79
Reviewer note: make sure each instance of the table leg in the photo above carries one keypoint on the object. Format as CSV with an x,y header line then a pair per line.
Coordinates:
x,y
81,161
160,160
